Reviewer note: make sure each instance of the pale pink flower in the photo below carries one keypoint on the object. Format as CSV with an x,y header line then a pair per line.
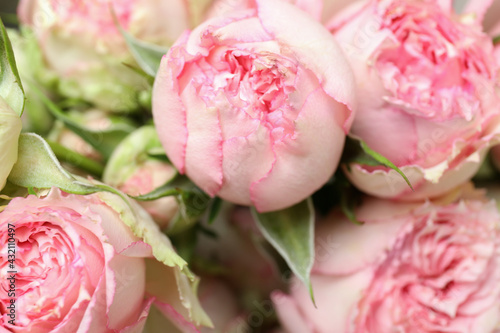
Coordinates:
x,y
410,268
247,105
427,87
82,268
84,50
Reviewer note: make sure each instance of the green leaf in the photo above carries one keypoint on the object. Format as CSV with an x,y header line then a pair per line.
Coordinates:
x,y
384,161
496,40
361,153
38,167
173,187
75,159
193,203
147,55
11,88
291,232
214,209
104,141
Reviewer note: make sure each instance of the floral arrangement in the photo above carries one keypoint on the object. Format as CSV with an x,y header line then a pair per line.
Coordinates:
x,y
229,166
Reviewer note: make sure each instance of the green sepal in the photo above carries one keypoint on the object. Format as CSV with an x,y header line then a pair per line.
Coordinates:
x,y
362,154
291,232
214,209
176,186
148,56
38,167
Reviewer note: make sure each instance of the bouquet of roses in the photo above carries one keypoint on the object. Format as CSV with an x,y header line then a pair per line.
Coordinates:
x,y
301,166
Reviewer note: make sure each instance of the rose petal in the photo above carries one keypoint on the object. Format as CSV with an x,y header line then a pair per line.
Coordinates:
x,y
171,126
291,179
314,47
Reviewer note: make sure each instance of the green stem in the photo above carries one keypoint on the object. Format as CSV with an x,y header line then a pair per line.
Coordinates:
x,y
496,40
69,156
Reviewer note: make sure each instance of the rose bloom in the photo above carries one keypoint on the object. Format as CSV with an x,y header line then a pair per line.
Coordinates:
x,y
81,266
81,45
410,268
10,128
247,105
133,171
428,89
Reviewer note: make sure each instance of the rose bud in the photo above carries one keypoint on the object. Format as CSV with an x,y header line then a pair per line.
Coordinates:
x,y
246,105
428,267
10,128
90,264
132,170
427,83
81,45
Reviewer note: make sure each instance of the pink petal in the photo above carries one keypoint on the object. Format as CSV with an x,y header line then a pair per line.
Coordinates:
x,y
204,143
247,30
176,318
478,7
289,314
301,165
314,47
312,7
447,5
168,111
246,160
138,326
336,300
395,125
94,319
343,247
125,288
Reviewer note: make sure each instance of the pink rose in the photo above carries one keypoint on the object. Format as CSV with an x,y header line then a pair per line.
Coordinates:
x,y
82,47
247,105
410,268
427,82
81,267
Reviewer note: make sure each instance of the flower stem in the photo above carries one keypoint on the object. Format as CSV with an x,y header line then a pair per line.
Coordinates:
x,y
69,156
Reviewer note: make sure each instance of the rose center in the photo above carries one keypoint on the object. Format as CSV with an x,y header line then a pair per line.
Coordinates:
x,y
258,84
48,273
432,66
